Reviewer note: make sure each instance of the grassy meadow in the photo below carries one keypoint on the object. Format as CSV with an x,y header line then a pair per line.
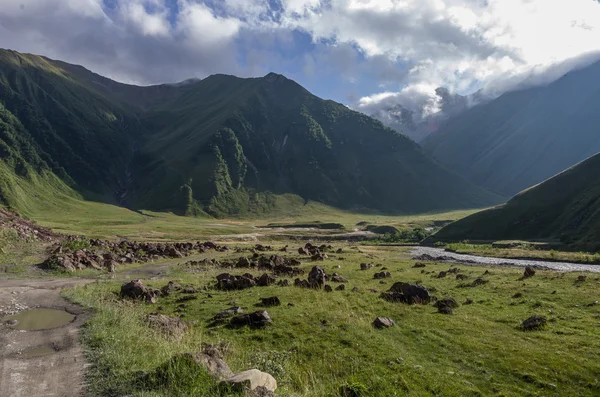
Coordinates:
x,y
326,340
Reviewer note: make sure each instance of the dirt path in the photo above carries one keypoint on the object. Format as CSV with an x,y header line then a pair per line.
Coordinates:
x,y
60,373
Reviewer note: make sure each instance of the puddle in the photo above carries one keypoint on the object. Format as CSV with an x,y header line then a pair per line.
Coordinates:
x,y
38,319
38,351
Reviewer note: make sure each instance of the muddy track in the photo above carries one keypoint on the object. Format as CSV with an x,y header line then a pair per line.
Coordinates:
x,y
59,371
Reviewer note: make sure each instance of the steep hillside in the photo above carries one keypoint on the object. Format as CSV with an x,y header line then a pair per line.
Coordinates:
x,y
228,138
564,208
523,137
222,145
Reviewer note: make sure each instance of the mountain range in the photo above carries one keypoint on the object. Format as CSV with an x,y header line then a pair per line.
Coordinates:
x,y
222,145
525,136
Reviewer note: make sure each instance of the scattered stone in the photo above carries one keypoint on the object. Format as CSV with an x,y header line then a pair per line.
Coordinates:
x,y
517,295
407,293
450,302
283,283
186,298
534,322
251,380
271,301
581,279
382,275
529,272
328,288
171,286
135,289
291,304
383,322
442,274
336,278
258,319
171,327
339,251
228,282
445,310
355,289
265,280
11,323
418,265
341,287
223,315
461,277
469,301
365,266
316,277
189,290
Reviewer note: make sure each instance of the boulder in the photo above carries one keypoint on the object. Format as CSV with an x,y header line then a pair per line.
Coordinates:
x,y
135,289
336,278
450,302
265,280
534,322
270,301
251,380
171,327
316,277
529,272
413,293
383,322
258,319
227,281
381,275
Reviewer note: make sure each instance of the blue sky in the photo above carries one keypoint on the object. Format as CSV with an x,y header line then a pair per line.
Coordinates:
x,y
372,55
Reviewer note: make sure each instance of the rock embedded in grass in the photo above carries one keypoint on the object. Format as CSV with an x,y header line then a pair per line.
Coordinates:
x,y
251,380
381,275
336,278
270,301
529,272
534,322
258,319
383,322
135,289
172,327
316,277
365,266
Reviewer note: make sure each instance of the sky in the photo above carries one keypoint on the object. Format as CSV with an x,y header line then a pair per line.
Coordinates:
x,y
367,54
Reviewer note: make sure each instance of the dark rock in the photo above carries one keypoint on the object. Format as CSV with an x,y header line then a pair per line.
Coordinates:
x,y
257,319
461,277
170,287
581,279
327,288
517,295
365,266
336,278
271,301
382,275
265,280
442,274
135,289
291,304
189,290
283,283
534,322
445,310
450,302
303,251
469,301
383,322
419,264
316,277
228,282
413,293
529,272
186,298
301,283
339,251
355,289
223,315
341,287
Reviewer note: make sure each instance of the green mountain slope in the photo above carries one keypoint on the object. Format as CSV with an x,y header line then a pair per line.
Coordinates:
x,y
523,137
565,207
222,145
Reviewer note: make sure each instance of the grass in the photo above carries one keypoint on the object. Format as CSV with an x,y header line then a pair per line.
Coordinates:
x,y
524,251
18,256
326,340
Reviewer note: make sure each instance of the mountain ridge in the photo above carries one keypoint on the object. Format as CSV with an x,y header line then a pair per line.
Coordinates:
x,y
221,145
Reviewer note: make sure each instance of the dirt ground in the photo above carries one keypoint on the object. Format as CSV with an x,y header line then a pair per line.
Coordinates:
x,y
58,374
